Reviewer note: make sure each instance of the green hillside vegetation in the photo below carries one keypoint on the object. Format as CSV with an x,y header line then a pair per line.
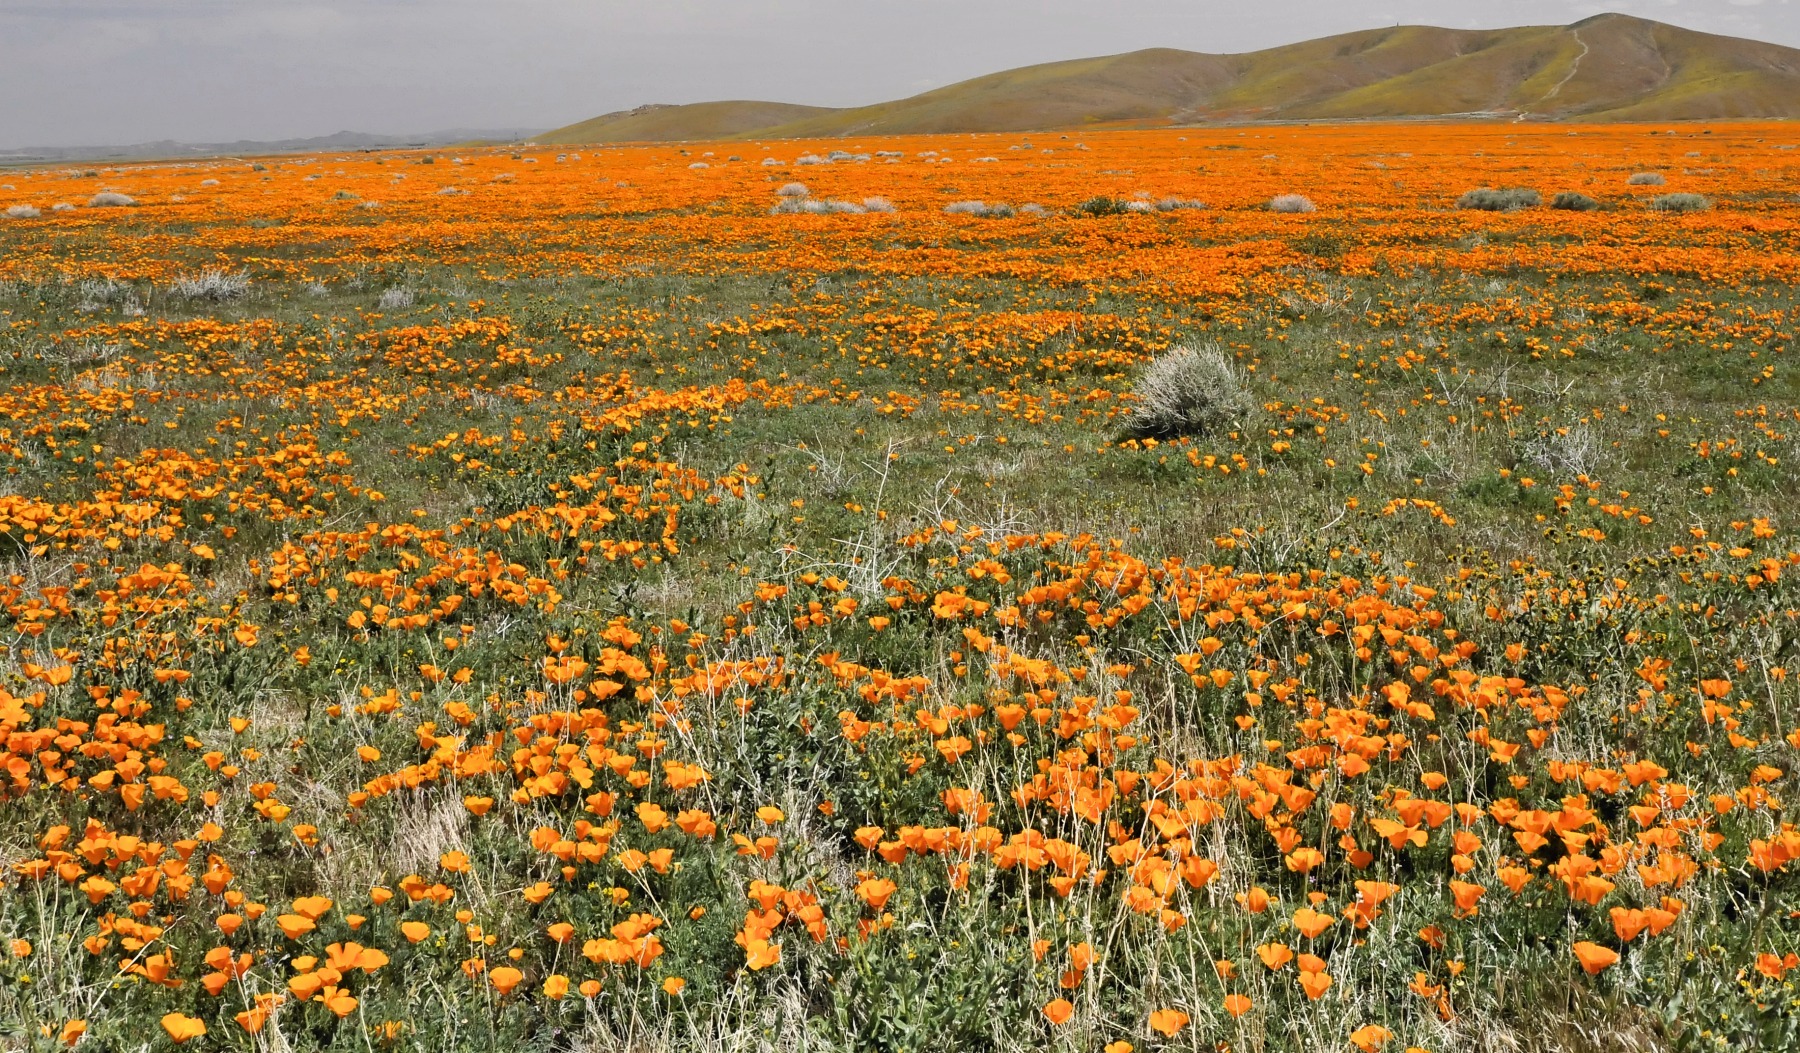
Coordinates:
x,y
1610,67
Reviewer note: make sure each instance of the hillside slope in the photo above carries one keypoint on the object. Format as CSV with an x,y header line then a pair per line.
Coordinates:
x,y
1609,67
701,120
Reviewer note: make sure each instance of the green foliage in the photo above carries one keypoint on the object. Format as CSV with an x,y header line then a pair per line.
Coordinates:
x,y
1383,386
1103,205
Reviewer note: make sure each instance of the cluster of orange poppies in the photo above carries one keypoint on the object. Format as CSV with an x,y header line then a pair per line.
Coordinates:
x,y
585,734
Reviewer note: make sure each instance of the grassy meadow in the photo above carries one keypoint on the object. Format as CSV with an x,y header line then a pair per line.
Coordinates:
x,y
708,596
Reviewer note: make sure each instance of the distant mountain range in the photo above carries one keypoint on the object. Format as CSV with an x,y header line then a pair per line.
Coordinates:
x,y
1606,68
339,141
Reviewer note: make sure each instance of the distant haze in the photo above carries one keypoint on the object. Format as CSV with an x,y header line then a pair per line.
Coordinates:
x,y
81,72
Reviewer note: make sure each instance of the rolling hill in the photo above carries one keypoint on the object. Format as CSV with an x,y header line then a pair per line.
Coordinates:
x,y
1609,67
171,149
701,120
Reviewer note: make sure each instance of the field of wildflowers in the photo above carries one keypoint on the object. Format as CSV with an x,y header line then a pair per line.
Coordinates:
x,y
653,597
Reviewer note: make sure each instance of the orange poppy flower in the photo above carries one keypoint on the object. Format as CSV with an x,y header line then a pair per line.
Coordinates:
x,y
1275,955
1315,984
182,1028
875,892
1168,1021
340,1002
293,926
1311,923
314,907
1594,957
1467,895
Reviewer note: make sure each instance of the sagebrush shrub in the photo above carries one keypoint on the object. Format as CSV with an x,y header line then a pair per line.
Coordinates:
x,y
1681,203
814,206
1188,391
99,293
22,212
1646,179
1570,201
104,290
1488,199
1573,451
990,209
1292,203
111,199
214,285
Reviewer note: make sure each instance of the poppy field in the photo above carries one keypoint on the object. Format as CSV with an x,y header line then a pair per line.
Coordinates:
x,y
653,598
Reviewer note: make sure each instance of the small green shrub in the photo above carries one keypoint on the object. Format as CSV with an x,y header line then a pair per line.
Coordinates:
x,y
1102,205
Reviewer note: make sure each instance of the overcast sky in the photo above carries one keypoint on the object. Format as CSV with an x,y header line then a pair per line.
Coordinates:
x,y
103,72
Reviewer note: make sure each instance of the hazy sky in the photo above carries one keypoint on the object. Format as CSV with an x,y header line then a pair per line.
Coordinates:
x,y
82,72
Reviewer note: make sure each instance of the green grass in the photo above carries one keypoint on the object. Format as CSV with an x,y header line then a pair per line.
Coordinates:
x,y
1449,389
